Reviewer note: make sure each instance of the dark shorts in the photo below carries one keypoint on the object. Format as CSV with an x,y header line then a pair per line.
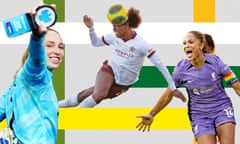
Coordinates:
x,y
116,89
207,124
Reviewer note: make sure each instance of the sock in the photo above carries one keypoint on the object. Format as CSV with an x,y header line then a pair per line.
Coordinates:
x,y
88,102
68,102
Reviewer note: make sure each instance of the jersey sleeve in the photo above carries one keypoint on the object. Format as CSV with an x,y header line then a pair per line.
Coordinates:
x,y
35,64
108,39
163,69
36,60
151,54
228,75
95,39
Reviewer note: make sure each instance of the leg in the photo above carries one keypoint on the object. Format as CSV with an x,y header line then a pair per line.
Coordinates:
x,y
207,139
117,90
75,100
102,86
104,82
226,133
84,94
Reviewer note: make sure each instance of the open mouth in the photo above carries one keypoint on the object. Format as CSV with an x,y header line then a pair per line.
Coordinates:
x,y
189,52
55,59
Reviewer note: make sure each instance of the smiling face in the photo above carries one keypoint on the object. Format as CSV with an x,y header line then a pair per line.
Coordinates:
x,y
193,45
54,49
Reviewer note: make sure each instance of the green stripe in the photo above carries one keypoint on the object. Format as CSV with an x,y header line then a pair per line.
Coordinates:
x,y
59,73
59,82
150,76
60,8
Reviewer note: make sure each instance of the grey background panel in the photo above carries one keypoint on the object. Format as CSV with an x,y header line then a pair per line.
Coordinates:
x,y
10,61
141,98
229,53
170,54
11,8
128,137
151,10
227,11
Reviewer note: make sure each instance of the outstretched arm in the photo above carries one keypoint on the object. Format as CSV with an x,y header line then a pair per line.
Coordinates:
x,y
147,119
95,40
35,62
236,87
36,50
163,69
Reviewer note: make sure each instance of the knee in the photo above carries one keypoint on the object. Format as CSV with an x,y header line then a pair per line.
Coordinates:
x,y
98,97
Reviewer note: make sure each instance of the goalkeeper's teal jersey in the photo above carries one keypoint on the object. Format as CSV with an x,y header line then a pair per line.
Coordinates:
x,y
31,100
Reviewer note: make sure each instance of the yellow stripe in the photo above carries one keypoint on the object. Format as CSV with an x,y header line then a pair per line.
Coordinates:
x,y
120,119
204,11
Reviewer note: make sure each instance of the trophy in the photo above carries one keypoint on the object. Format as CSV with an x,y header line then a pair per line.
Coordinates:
x,y
45,15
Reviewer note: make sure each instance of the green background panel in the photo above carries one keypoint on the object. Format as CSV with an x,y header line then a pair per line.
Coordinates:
x,y
59,73
60,8
150,76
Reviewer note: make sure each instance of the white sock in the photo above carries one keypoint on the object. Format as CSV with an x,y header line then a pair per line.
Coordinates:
x,y
68,102
88,102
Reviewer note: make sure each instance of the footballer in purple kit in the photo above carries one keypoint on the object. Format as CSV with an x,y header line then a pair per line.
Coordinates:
x,y
210,109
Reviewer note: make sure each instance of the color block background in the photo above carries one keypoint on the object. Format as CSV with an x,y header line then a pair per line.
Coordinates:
x,y
164,25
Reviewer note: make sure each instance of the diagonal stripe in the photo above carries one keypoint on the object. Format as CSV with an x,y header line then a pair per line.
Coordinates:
x,y
204,11
120,119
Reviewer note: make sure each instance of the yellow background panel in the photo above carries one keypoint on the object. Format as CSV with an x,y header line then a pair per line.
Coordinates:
x,y
121,118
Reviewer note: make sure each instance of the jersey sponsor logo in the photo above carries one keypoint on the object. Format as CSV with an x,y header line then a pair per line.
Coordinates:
x,y
124,54
204,90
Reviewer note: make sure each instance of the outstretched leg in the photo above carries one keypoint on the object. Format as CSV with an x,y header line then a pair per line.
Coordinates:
x,y
75,100
104,82
84,94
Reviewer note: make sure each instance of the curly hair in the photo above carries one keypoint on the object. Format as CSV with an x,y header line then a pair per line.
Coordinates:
x,y
134,18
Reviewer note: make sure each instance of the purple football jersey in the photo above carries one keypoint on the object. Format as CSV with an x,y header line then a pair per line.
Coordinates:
x,y
204,84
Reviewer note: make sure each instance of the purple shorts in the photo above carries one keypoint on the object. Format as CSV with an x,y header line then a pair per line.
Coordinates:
x,y
207,124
